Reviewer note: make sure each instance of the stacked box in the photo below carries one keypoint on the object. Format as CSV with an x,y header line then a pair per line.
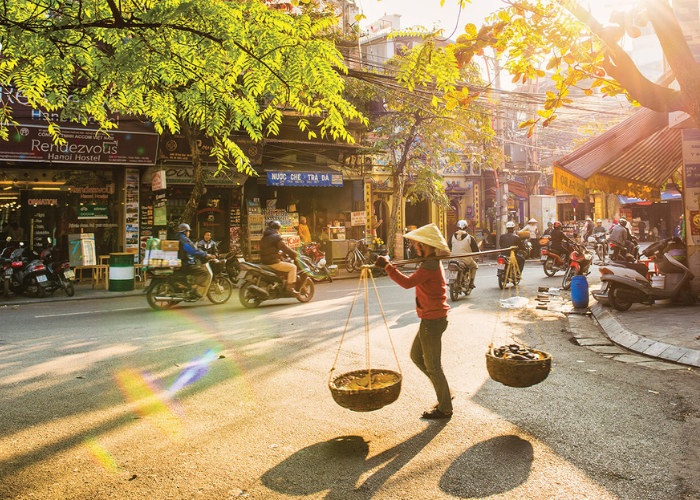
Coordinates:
x,y
161,253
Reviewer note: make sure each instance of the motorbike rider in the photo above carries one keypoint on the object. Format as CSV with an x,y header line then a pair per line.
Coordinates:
x,y
599,227
618,236
560,243
463,242
188,255
207,245
510,239
631,240
271,245
548,231
587,230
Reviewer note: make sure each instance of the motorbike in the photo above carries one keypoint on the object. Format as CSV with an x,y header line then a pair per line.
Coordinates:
x,y
458,279
315,260
624,284
60,274
6,266
28,272
506,275
620,252
170,286
261,282
580,260
552,261
600,245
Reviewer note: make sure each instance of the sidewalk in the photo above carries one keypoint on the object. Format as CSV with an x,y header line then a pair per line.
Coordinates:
x,y
665,331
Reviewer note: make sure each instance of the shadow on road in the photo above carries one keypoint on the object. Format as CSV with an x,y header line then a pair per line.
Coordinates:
x,y
338,464
492,467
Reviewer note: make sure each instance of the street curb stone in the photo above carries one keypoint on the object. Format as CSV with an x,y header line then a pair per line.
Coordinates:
x,y
620,334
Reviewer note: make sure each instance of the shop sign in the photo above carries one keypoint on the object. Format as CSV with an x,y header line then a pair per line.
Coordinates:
x,y
184,176
569,183
93,212
160,217
159,180
36,202
307,179
177,148
34,143
358,218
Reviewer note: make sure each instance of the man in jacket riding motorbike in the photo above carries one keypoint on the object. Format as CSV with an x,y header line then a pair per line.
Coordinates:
x,y
463,242
271,245
599,227
510,239
618,236
560,243
188,255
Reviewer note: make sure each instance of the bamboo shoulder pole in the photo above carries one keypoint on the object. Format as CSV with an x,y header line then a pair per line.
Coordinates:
x,y
399,263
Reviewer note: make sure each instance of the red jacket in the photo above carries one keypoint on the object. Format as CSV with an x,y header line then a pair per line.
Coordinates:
x,y
431,291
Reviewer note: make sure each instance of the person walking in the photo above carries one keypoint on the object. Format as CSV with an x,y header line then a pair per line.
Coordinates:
x,y
534,236
432,307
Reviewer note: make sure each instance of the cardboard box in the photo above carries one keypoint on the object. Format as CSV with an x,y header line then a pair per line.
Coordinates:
x,y
169,255
169,245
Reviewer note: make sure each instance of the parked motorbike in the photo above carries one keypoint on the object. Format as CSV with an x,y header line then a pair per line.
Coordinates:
x,y
28,272
6,267
60,274
630,283
506,275
580,260
261,282
552,261
458,279
170,286
315,260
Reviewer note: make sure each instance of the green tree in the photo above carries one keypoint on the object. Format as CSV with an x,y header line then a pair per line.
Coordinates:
x,y
205,67
423,126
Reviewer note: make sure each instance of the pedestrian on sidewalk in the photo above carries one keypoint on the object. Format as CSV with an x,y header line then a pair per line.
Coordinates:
x,y
431,306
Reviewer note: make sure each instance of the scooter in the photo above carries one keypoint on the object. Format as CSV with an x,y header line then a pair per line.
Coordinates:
x,y
170,286
458,279
28,272
60,274
625,285
261,282
553,262
315,260
620,252
580,262
600,245
505,274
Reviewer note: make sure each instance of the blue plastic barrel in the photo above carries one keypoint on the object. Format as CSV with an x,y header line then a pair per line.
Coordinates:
x,y
579,291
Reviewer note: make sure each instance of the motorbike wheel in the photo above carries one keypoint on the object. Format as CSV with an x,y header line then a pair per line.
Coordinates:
x,y
6,288
328,274
247,298
220,290
306,291
454,292
467,285
161,289
566,282
378,271
616,300
548,267
501,282
687,297
40,291
68,287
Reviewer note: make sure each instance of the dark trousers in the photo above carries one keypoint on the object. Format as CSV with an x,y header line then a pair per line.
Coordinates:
x,y
426,354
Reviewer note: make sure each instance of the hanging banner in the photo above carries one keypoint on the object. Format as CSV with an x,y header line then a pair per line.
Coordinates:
x,y
307,179
568,182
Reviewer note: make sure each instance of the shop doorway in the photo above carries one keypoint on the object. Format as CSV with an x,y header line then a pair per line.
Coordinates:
x,y
381,212
417,214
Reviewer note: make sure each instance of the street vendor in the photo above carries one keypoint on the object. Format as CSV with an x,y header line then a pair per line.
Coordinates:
x,y
431,306
303,230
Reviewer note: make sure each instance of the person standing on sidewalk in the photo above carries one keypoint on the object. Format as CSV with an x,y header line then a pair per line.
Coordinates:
x,y
431,306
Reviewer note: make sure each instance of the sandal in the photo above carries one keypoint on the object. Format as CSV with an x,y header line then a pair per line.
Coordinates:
x,y
436,414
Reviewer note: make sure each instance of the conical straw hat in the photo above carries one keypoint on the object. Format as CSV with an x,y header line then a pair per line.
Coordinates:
x,y
430,235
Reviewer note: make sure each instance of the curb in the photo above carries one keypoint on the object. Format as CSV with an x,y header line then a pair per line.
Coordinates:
x,y
621,335
65,298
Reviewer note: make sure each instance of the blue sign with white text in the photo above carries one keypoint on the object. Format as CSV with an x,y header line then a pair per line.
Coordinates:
x,y
308,179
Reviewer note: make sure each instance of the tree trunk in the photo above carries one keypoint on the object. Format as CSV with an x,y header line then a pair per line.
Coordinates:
x,y
200,175
393,229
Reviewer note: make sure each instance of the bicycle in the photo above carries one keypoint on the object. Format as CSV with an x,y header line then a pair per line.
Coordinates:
x,y
356,258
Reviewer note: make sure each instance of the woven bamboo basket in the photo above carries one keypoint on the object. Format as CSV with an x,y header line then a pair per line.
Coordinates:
x,y
519,373
369,399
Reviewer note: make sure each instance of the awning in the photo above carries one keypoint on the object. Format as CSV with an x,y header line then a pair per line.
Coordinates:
x,y
665,196
632,159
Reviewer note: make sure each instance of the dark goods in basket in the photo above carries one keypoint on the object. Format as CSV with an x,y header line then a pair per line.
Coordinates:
x,y
366,390
518,366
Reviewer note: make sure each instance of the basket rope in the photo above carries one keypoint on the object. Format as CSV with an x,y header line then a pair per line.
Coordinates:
x,y
364,282
513,271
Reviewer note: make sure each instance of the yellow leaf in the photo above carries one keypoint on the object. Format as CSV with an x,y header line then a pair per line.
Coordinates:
x,y
588,92
553,63
503,16
539,73
470,29
360,17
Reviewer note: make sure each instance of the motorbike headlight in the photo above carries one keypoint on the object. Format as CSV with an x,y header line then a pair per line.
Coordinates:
x,y
321,262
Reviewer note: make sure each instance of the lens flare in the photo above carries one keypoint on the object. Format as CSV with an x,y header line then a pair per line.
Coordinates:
x,y
100,455
195,370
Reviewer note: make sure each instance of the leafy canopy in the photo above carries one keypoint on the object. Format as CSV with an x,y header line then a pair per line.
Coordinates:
x,y
220,66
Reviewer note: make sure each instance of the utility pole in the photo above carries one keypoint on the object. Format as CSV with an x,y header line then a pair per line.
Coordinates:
x,y
502,177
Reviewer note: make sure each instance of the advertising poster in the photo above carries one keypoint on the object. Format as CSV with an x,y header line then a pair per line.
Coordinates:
x,y
132,212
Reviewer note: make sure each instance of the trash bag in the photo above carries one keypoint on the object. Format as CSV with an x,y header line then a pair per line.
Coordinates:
x,y
514,302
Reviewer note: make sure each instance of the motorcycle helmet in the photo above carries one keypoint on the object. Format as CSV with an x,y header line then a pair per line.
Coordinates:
x,y
183,227
274,224
550,223
614,221
462,224
557,223
599,221
623,222
510,225
588,218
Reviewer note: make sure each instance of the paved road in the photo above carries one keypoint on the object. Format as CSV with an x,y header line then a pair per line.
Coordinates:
x,y
79,418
